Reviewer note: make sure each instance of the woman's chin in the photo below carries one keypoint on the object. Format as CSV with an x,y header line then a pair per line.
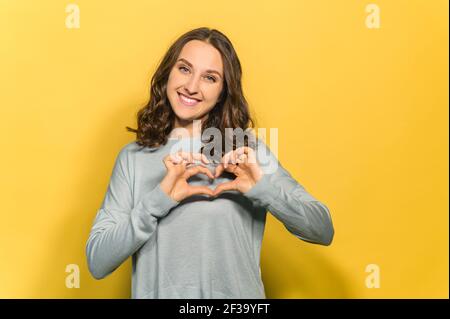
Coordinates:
x,y
186,115
185,118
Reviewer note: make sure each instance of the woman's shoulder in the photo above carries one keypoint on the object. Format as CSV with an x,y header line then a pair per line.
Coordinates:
x,y
134,147
128,148
131,153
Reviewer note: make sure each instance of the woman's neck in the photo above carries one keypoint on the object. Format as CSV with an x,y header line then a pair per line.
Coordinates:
x,y
186,128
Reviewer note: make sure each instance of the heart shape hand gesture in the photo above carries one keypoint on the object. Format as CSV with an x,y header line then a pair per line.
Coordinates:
x,y
240,162
175,182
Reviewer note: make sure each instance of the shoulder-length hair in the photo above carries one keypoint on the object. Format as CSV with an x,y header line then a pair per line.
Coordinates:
x,y
155,120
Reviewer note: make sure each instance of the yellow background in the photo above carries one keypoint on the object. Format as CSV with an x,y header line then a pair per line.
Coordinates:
x,y
362,116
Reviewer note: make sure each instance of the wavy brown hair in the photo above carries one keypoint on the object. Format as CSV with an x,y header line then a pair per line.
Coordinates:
x,y
156,120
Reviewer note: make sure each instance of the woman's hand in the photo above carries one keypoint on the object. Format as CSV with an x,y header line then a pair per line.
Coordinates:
x,y
175,182
242,163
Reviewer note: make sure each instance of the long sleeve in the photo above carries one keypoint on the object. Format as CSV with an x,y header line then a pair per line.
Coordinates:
x,y
120,229
277,191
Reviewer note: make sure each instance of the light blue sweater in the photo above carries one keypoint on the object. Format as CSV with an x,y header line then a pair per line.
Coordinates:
x,y
199,247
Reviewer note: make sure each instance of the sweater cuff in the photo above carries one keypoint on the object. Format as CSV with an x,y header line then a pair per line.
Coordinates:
x,y
157,202
263,192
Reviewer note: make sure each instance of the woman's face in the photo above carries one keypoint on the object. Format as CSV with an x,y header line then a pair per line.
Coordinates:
x,y
195,82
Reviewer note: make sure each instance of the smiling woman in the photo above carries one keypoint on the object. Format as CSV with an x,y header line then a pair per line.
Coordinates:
x,y
195,231
191,89
198,78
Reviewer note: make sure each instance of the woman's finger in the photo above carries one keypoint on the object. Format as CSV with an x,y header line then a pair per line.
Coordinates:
x,y
234,169
196,190
234,155
219,170
205,159
233,158
248,152
192,157
196,170
242,158
226,159
201,157
176,158
170,160
231,168
228,186
186,156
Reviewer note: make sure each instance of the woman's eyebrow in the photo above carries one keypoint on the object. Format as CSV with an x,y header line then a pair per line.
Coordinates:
x,y
190,64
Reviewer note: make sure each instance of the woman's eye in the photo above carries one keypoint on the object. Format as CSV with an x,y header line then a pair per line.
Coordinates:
x,y
183,68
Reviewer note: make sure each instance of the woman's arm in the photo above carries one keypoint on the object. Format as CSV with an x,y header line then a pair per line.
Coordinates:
x,y
277,191
120,229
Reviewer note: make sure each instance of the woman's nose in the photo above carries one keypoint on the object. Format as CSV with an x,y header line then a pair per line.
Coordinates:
x,y
192,85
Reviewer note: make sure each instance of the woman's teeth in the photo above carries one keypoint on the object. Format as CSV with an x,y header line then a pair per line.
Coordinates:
x,y
187,101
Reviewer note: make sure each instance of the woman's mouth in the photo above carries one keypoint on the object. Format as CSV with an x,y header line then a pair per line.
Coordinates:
x,y
187,101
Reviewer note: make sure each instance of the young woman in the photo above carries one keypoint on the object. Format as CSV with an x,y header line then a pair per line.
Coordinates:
x,y
192,221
